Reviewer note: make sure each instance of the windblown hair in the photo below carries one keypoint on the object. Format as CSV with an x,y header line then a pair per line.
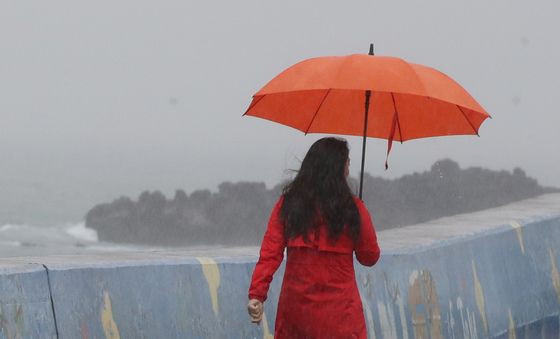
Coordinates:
x,y
320,192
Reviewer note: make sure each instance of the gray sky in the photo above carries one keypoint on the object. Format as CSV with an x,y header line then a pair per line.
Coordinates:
x,y
120,96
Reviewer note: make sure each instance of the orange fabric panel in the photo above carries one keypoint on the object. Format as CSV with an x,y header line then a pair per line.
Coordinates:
x,y
327,95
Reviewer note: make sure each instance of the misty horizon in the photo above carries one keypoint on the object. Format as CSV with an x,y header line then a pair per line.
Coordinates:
x,y
55,203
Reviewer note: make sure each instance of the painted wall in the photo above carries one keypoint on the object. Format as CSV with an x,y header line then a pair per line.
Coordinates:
x,y
25,302
500,283
504,283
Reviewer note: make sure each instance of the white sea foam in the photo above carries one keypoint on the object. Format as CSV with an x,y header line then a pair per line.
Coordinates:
x,y
64,238
8,227
81,232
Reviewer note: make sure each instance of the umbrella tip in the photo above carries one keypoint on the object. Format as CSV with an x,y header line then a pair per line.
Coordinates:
x,y
370,49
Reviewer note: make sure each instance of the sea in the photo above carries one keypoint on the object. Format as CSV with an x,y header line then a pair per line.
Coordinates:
x,y
44,199
69,239
18,240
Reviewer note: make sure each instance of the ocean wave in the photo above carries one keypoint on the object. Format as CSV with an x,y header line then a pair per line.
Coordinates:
x,y
11,227
70,231
81,232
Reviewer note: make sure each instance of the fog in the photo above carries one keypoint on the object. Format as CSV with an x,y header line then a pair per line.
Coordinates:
x,y
102,99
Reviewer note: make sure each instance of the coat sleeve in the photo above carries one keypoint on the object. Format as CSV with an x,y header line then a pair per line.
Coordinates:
x,y
271,256
367,249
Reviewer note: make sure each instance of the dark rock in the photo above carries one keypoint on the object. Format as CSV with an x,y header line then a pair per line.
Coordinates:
x,y
238,213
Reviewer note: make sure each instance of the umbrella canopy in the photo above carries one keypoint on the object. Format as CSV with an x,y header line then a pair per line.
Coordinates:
x,y
370,96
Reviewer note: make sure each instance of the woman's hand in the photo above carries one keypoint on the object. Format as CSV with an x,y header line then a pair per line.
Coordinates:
x,y
255,308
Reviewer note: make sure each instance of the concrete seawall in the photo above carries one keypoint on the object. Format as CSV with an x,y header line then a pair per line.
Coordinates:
x,y
490,274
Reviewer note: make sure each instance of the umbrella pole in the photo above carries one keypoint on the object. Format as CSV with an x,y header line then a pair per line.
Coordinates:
x,y
368,95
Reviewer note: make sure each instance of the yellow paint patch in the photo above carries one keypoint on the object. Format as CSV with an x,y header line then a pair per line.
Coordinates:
x,y
266,329
369,317
511,329
554,273
109,326
424,305
212,275
519,230
479,296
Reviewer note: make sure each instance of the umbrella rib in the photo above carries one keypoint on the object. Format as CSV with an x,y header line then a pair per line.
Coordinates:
x,y
317,111
397,114
254,104
470,123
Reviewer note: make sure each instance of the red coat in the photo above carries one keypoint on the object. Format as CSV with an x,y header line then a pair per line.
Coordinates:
x,y
319,296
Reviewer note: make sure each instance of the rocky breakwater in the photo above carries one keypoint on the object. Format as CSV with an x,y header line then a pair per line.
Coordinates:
x,y
237,213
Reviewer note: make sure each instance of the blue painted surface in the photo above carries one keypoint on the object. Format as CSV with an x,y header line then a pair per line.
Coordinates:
x,y
504,277
170,300
510,281
25,305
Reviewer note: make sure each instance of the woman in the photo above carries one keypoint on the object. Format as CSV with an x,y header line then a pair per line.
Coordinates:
x,y
321,223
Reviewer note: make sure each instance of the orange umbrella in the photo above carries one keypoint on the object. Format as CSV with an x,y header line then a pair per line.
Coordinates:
x,y
333,94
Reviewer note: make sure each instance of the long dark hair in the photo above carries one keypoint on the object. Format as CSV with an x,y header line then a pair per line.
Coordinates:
x,y
320,190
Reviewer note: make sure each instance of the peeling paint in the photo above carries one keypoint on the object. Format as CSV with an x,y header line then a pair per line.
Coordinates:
x,y
470,330
388,329
413,278
109,326
392,290
471,325
554,273
479,296
4,326
511,327
400,304
18,310
451,320
519,230
369,319
212,275
84,330
367,286
424,305
6,329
